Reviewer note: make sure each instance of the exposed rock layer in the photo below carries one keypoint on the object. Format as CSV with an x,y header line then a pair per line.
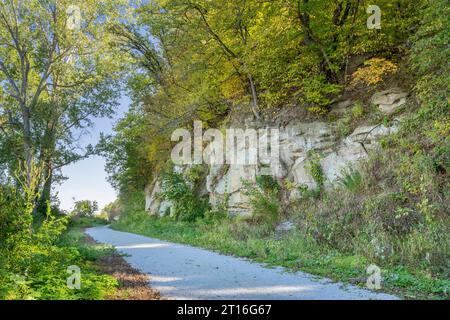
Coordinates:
x,y
298,143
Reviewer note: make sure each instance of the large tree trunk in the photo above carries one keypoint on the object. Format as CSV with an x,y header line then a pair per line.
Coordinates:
x,y
27,145
47,188
47,160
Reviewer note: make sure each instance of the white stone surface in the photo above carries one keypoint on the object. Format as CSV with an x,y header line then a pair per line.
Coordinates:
x,y
390,100
297,141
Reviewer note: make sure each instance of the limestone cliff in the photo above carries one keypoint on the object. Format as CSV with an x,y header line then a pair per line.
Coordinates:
x,y
298,141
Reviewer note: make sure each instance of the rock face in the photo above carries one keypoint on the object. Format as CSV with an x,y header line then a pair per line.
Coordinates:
x,y
299,142
153,203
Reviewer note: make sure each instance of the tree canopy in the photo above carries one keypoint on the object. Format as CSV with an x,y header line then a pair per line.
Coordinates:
x,y
202,60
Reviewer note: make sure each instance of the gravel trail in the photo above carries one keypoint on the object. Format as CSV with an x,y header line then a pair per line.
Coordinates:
x,y
184,272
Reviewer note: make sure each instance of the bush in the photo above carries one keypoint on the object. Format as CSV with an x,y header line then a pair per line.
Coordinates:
x,y
351,179
315,169
267,183
87,222
186,201
113,211
33,261
15,217
391,217
264,203
85,208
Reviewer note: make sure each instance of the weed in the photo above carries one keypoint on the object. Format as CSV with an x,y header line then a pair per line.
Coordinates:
x,y
351,179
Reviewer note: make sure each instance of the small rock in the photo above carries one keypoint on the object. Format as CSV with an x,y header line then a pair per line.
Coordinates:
x,y
390,100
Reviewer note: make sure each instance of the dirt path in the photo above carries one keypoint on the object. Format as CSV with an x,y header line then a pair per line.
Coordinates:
x,y
184,272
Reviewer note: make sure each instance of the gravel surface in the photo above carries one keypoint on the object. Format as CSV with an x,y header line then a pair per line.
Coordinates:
x,y
184,272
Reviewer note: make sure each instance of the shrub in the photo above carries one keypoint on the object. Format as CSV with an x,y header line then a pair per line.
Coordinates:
x,y
307,193
33,261
263,202
357,110
88,222
351,180
84,208
186,201
15,217
267,183
315,169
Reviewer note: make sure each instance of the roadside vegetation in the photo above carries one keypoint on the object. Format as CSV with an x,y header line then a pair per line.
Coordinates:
x,y
297,250
55,78
36,256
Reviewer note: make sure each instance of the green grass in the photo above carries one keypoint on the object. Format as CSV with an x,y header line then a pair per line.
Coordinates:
x,y
75,237
293,251
89,252
88,222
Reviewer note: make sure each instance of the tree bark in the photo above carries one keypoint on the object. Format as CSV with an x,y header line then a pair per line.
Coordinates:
x,y
254,98
47,188
27,144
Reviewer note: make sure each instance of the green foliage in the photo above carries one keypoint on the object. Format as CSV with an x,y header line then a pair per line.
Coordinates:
x,y
195,175
263,200
267,183
130,158
14,216
315,169
219,211
294,251
358,110
112,210
351,179
186,201
308,193
133,203
394,216
35,257
84,208
87,222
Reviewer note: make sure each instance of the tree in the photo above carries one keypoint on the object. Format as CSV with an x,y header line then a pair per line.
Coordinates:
x,y
112,211
84,208
54,77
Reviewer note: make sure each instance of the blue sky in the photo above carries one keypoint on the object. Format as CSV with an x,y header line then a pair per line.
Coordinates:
x,y
87,178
